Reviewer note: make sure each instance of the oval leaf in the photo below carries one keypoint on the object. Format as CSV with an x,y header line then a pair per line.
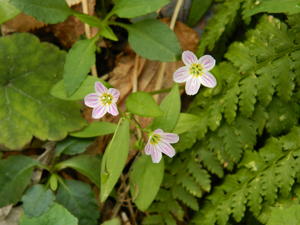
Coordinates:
x,y
7,11
72,146
96,129
145,180
143,104
146,39
114,159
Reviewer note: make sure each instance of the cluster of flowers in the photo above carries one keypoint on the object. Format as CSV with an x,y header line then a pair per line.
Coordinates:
x,y
194,73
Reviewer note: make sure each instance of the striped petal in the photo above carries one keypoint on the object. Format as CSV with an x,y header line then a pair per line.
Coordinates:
x,y
166,148
113,110
92,100
148,149
170,138
208,80
181,75
100,88
189,57
208,62
192,86
99,112
115,93
156,155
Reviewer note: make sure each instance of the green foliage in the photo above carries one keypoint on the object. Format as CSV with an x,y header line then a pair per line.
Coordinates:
x,y
37,200
27,108
80,200
153,45
95,129
114,221
16,172
7,11
57,215
198,9
285,216
114,158
72,146
143,184
143,104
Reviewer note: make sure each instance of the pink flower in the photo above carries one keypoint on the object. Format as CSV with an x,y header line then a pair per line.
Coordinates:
x,y
103,101
195,72
158,143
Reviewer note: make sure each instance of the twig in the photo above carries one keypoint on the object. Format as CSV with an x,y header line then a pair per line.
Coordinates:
x,y
135,74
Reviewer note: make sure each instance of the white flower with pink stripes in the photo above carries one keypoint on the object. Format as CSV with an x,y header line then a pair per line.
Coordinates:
x,y
158,143
195,72
103,101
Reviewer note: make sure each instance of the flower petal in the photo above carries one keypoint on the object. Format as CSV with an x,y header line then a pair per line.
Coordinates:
x,y
207,61
99,112
189,57
156,155
166,148
208,80
192,86
115,93
148,149
92,100
181,75
113,110
158,131
170,138
100,88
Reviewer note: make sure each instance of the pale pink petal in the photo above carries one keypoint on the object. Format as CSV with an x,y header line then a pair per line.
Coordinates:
x,y
113,110
170,138
158,131
92,100
166,148
207,61
148,149
99,112
189,57
192,86
181,75
208,80
100,88
115,93
156,155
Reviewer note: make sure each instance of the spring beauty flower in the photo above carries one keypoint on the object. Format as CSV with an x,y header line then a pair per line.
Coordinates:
x,y
158,143
195,72
103,101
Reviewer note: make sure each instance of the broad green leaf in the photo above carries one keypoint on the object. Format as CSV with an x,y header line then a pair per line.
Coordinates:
x,y
197,11
16,172
114,158
47,11
146,39
90,20
37,200
108,33
96,129
171,110
72,146
28,70
134,8
145,180
56,215
7,11
85,88
278,6
285,215
80,200
115,221
78,64
88,165
186,122
143,104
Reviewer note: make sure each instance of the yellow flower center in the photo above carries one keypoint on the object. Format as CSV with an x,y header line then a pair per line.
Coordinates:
x,y
196,70
155,139
106,99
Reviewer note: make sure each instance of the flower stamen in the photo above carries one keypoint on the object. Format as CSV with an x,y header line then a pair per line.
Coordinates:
x,y
155,139
106,99
196,70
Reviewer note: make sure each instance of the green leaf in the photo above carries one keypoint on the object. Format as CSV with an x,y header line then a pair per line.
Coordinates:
x,y
86,87
95,129
88,165
7,11
285,215
16,172
171,109
154,45
57,215
145,180
72,146
115,221
186,122
88,19
114,159
79,61
37,200
142,104
108,33
47,11
26,107
197,11
134,8
80,200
